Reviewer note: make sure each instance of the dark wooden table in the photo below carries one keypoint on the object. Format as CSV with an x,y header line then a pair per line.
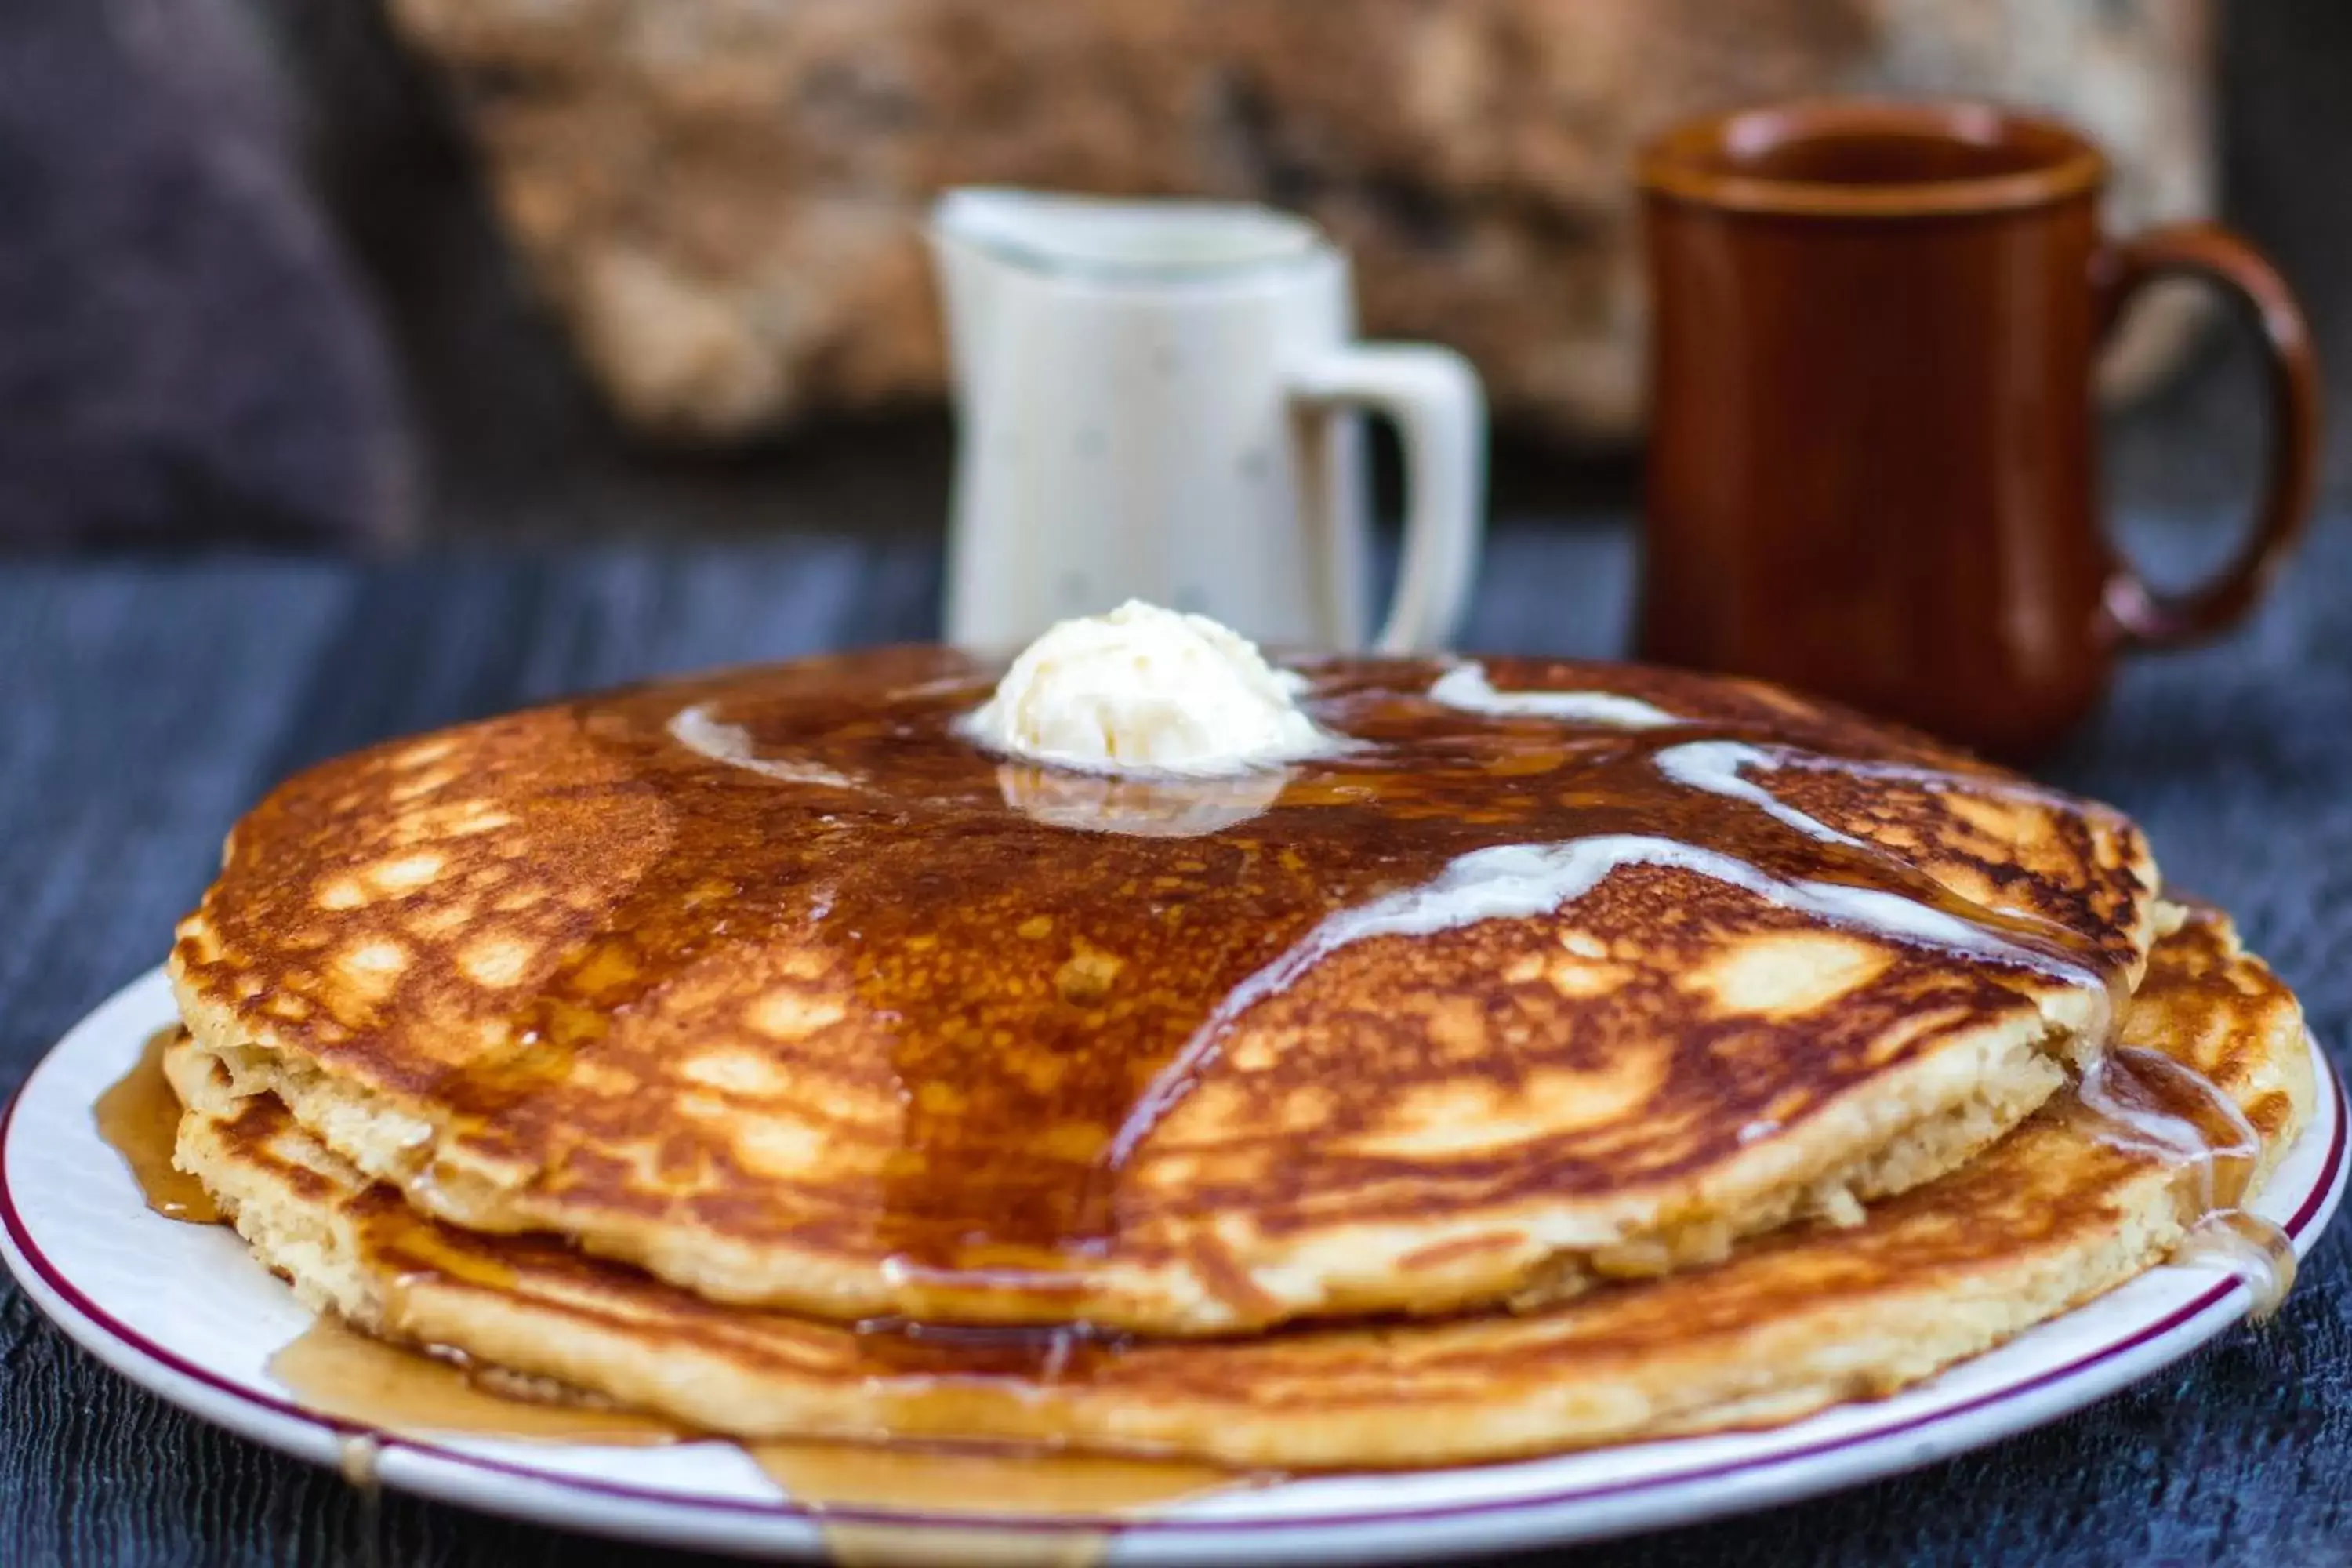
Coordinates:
x,y
144,704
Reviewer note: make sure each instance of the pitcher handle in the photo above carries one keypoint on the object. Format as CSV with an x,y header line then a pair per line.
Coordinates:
x,y
1432,398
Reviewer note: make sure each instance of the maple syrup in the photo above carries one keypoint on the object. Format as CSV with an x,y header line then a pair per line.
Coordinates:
x,y
2248,1245
841,799
338,1372
2151,1104
1319,862
357,1459
1079,1497
139,1117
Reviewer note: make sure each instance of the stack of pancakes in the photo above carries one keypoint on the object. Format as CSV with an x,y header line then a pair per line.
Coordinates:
x,y
1578,1053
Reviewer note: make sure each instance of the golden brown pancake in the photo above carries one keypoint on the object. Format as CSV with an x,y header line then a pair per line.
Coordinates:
x,y
2064,1208
776,985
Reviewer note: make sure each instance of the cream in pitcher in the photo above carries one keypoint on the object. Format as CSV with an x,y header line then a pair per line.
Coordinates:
x,y
1160,400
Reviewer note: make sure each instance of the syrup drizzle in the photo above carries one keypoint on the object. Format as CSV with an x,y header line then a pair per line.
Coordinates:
x,y
2236,1241
1866,888
694,728
1467,688
1515,881
139,1117
2149,1104
1518,881
358,1458
1762,845
942,852
1714,767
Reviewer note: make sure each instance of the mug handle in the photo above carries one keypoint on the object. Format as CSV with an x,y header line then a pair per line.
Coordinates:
x,y
2139,615
1432,398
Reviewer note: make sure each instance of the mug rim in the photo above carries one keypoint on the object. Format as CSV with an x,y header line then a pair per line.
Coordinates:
x,y
1676,163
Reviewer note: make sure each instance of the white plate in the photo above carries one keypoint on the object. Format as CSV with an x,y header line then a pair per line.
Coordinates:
x,y
182,1310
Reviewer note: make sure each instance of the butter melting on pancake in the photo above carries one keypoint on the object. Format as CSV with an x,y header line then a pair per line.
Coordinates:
x,y
939,1046
2068,1206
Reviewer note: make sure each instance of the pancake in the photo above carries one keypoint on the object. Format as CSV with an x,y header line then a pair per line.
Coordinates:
x,y
776,985
2066,1206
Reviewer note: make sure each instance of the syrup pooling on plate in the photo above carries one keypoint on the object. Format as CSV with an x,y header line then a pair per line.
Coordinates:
x,y
139,1117
1046,1499
340,1373
386,1389
2149,1104
1017,961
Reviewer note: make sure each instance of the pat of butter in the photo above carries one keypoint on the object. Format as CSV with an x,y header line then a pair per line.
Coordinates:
x,y
1147,690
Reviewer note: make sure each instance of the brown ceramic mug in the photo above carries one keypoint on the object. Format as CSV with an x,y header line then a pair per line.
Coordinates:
x,y
1871,464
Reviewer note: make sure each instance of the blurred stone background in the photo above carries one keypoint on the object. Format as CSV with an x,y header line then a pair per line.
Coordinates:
x,y
388,269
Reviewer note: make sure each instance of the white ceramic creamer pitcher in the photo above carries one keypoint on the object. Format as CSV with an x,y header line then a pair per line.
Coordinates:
x,y
1158,400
